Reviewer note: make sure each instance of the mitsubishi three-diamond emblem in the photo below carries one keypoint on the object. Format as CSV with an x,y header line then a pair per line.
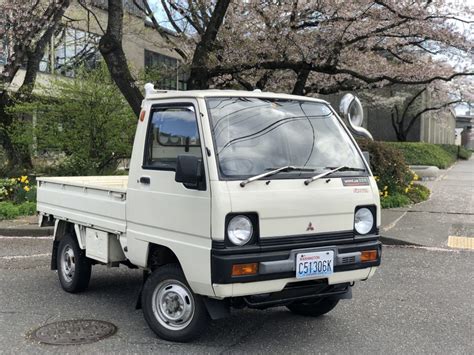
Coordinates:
x,y
310,227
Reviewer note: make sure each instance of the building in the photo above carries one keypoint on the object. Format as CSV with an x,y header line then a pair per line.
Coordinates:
x,y
76,43
436,127
465,125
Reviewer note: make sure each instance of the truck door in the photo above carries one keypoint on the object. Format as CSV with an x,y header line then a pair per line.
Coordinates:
x,y
159,209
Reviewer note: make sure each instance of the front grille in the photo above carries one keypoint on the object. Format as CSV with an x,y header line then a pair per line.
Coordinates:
x,y
348,260
327,238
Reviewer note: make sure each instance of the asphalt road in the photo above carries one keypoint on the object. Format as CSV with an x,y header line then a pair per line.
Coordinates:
x,y
419,301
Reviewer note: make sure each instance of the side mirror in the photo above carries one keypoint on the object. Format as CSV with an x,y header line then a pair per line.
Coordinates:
x,y
189,171
351,109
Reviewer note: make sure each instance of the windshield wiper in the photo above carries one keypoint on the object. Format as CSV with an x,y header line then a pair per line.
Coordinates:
x,y
341,168
273,172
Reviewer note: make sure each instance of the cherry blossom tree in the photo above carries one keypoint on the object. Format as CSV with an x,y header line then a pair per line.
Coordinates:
x,y
26,28
330,46
407,104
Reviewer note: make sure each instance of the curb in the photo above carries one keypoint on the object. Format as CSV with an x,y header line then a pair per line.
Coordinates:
x,y
27,232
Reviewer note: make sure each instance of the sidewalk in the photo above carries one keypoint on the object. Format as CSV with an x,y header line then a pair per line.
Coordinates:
x,y
24,226
448,212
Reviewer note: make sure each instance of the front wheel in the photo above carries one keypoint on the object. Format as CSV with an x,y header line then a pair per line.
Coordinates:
x,y
313,308
74,268
170,308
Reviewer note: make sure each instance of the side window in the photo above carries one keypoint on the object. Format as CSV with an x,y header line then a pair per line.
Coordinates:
x,y
171,132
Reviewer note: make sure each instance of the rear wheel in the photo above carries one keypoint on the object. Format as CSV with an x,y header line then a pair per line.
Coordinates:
x,y
74,268
170,308
313,308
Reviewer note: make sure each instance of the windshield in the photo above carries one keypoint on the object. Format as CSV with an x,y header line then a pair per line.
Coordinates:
x,y
254,135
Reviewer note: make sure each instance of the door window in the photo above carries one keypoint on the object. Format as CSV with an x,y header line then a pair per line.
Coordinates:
x,y
172,131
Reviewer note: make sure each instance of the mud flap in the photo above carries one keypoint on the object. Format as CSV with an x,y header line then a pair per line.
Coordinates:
x,y
217,309
138,304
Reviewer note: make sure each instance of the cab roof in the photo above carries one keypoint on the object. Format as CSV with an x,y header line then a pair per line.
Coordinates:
x,y
152,94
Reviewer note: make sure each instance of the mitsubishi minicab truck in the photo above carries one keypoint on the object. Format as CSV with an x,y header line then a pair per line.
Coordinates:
x,y
234,199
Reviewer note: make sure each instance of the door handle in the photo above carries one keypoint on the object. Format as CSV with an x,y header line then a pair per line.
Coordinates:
x,y
144,180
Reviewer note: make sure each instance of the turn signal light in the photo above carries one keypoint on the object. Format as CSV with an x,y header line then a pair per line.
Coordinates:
x,y
244,269
368,255
142,115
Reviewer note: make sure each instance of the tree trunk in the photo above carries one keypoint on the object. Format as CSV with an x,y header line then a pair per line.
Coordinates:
x,y
110,47
18,154
300,84
199,75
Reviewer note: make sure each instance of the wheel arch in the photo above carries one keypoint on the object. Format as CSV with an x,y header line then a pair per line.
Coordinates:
x,y
159,255
61,228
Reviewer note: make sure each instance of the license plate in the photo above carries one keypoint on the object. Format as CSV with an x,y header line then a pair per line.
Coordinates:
x,y
319,263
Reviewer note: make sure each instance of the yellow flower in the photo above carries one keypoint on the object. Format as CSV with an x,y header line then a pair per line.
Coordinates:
x,y
19,179
385,188
415,177
27,182
407,189
385,194
26,188
24,178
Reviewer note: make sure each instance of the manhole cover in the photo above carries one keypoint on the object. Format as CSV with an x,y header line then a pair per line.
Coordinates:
x,y
81,331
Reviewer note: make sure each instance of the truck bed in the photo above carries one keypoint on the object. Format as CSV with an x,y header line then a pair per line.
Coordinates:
x,y
95,201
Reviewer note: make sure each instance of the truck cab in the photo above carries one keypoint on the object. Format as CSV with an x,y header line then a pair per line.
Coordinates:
x,y
233,199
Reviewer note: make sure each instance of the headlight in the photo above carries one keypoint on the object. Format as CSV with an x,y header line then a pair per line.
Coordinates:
x,y
363,221
240,230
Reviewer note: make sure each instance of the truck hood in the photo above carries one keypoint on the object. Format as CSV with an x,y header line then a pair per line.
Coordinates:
x,y
288,207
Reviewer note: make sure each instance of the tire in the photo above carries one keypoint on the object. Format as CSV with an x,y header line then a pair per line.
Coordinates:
x,y
74,268
313,308
170,308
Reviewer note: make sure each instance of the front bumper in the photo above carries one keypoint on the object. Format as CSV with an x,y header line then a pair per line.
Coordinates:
x,y
276,265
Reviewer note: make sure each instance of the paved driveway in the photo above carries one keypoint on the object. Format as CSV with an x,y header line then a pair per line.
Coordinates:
x,y
420,301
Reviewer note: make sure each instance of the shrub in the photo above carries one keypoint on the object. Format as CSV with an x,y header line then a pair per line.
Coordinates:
x,y
84,124
396,182
395,200
464,153
388,165
424,154
418,193
17,190
9,210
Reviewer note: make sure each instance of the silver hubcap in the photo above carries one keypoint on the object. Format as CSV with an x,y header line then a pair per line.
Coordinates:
x,y
173,305
68,263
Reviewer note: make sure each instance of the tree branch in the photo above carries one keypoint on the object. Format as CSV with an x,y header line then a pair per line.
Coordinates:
x,y
199,75
428,109
110,47
89,11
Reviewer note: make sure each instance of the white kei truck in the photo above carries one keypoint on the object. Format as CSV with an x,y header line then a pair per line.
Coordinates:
x,y
233,199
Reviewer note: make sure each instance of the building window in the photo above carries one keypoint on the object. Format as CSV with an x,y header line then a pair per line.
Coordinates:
x,y
3,51
73,48
171,76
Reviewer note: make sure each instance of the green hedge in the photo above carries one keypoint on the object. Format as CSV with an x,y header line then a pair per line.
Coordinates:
x,y
9,210
457,151
425,154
